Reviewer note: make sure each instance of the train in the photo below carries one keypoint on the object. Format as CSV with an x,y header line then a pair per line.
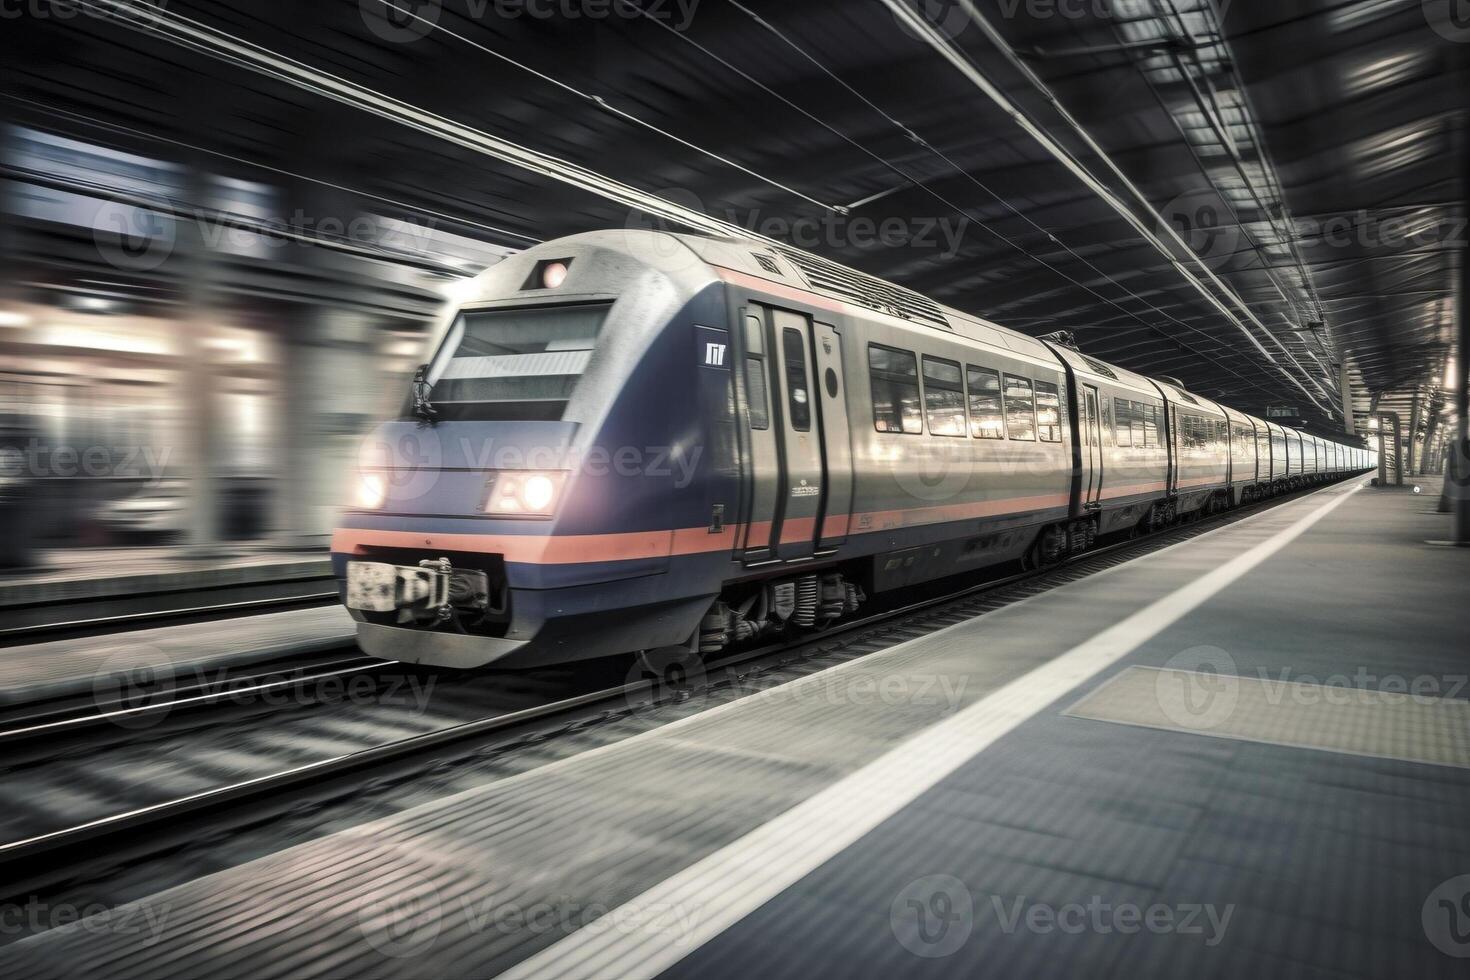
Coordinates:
x,y
632,441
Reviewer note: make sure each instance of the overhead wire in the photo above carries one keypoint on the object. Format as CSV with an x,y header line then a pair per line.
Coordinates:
x,y
437,27
966,174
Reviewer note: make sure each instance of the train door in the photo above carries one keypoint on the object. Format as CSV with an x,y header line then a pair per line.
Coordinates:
x,y
1230,440
801,465
760,499
1174,443
836,436
1092,446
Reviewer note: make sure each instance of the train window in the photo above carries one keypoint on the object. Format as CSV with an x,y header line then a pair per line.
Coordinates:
x,y
1197,432
987,415
1150,417
944,397
1020,409
1123,436
798,391
755,393
1242,445
1048,412
514,365
894,375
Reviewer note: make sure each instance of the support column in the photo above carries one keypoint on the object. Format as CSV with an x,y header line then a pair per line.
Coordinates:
x,y
1457,473
1431,457
1409,469
329,397
296,415
201,415
1398,450
327,369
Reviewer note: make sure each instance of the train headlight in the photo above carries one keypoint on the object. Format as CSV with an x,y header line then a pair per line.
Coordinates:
x,y
372,490
521,493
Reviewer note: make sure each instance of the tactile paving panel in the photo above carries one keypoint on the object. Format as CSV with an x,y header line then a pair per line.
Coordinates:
x,y
1385,724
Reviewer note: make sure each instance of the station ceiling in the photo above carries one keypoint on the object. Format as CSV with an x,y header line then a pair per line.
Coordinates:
x,y
1243,195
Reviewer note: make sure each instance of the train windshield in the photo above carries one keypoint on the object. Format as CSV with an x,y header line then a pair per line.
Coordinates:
x,y
513,365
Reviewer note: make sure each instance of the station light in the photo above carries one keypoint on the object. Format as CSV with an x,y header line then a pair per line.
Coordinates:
x,y
523,493
372,491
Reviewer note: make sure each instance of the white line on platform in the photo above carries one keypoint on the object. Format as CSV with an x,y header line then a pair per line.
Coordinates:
x,y
718,891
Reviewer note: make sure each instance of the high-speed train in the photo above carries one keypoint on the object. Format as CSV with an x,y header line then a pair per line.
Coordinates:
x,y
631,441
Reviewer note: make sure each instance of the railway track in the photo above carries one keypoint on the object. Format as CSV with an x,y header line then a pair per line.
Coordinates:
x,y
340,774
71,715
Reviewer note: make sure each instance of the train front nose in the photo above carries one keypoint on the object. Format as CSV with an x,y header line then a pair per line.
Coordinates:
x,y
422,551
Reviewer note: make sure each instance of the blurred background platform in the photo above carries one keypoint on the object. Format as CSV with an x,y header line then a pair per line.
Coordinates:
x,y
169,655
89,573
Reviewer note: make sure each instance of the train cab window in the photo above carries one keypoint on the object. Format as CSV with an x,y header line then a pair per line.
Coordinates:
x,y
894,377
1048,412
798,390
1020,409
514,365
944,397
755,392
987,414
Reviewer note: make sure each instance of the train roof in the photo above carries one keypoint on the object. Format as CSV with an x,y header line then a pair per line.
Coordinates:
x,y
792,268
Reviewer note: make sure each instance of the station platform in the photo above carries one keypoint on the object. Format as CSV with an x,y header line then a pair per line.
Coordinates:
x,y
166,654
1247,754
77,574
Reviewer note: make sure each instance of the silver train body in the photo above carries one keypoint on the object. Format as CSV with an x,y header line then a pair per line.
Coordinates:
x,y
639,441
